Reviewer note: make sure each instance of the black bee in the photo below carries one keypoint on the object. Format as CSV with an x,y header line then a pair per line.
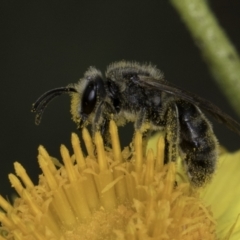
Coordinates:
x,y
140,94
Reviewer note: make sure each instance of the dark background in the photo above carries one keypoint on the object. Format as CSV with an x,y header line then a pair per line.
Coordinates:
x,y
48,44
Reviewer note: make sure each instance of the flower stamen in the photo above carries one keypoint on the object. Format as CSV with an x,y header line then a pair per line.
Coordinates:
x,y
107,195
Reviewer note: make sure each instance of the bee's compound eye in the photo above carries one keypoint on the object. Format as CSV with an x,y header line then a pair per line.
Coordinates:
x,y
89,98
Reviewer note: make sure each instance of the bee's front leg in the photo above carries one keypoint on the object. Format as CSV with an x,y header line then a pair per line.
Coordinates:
x,y
101,122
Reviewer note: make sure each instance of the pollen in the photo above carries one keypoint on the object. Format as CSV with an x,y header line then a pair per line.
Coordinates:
x,y
109,194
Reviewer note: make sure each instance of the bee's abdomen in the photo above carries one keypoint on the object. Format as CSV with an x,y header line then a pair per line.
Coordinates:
x,y
197,142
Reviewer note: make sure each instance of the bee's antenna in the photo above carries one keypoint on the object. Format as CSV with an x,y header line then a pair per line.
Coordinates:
x,y
42,102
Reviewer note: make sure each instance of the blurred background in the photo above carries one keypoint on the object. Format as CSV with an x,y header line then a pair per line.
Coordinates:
x,y
48,44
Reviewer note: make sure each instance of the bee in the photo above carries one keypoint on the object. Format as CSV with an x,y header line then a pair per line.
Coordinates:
x,y
139,93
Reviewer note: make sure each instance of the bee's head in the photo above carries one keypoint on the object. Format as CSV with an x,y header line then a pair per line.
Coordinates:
x,y
90,92
86,95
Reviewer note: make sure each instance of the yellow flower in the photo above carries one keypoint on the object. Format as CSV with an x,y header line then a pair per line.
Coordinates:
x,y
110,195
222,194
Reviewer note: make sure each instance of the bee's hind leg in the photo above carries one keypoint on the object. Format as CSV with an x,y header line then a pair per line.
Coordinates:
x,y
198,143
172,131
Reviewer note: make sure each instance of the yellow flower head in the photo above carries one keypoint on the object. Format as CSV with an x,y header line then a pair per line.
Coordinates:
x,y
110,194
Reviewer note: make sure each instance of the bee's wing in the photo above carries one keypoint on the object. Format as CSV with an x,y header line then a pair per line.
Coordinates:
x,y
169,88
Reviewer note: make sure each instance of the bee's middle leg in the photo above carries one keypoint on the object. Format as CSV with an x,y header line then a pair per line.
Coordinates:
x,y
141,125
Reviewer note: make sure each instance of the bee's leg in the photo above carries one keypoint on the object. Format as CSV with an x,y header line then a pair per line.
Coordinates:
x,y
197,142
141,119
141,125
105,132
171,134
101,123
